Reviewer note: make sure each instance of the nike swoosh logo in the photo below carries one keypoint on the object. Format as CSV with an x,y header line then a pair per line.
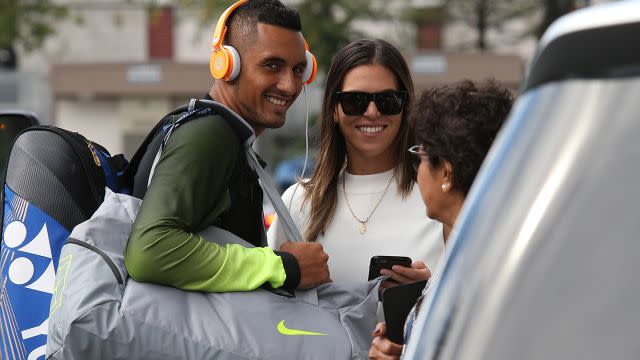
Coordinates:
x,y
282,329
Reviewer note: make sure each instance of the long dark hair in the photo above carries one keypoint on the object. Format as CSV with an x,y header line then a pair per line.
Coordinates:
x,y
322,188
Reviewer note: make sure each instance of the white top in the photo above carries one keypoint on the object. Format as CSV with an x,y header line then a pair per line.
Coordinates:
x,y
398,227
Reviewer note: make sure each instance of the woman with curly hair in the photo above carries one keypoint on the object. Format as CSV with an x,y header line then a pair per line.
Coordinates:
x,y
454,128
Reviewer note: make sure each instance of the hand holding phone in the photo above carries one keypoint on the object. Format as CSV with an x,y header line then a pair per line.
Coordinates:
x,y
403,275
386,262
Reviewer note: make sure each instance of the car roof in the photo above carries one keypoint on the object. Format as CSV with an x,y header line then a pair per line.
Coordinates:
x,y
599,41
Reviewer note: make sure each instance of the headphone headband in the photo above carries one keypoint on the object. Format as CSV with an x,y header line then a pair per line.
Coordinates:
x,y
221,27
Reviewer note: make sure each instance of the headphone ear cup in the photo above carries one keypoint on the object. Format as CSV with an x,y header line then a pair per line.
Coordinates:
x,y
219,63
310,70
225,63
234,67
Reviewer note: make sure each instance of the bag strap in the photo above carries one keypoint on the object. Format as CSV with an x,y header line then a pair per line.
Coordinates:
x,y
200,108
267,184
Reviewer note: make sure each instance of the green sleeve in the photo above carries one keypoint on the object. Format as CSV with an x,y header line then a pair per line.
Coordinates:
x,y
188,192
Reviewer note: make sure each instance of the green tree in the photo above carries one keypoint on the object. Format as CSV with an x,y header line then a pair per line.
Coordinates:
x,y
329,24
553,9
486,15
27,23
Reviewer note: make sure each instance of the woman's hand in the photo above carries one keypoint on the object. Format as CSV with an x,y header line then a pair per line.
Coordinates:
x,y
404,275
381,347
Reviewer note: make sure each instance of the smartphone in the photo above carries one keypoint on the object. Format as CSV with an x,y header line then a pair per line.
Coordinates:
x,y
397,302
386,262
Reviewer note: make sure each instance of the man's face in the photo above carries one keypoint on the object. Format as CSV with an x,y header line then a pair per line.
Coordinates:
x,y
270,76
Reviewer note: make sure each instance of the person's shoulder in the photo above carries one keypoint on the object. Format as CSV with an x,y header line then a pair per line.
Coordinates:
x,y
293,199
212,122
412,205
296,189
294,195
206,132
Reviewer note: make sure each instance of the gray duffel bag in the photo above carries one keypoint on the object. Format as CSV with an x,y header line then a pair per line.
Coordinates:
x,y
98,312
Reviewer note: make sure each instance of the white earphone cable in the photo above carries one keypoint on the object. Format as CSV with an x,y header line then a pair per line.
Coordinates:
x,y
306,146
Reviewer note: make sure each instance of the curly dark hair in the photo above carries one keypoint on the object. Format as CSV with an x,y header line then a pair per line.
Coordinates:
x,y
458,123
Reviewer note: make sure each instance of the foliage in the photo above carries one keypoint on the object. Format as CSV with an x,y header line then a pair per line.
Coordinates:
x,y
553,9
28,22
424,14
329,24
486,15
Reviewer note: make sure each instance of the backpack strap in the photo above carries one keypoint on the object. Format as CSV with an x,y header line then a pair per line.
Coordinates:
x,y
244,131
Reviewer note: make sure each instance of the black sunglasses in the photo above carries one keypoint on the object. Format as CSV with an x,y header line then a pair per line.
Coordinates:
x,y
356,102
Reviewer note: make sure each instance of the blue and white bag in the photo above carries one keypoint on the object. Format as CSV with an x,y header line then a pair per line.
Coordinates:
x,y
55,179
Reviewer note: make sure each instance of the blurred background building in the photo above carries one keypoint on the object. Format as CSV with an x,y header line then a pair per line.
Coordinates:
x,y
111,69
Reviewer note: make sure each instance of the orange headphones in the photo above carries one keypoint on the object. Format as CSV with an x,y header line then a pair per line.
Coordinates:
x,y
225,60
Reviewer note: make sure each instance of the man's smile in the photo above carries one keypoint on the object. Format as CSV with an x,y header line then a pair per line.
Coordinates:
x,y
276,101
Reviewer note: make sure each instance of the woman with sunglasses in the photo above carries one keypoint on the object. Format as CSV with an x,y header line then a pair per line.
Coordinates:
x,y
361,200
455,127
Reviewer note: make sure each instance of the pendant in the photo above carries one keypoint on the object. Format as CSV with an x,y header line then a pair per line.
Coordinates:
x,y
363,228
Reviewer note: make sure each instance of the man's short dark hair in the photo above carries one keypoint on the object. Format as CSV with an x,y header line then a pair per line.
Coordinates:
x,y
458,123
243,21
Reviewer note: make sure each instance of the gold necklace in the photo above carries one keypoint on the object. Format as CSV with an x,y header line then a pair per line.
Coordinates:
x,y
363,223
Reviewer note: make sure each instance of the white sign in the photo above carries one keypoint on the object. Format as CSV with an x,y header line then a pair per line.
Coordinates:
x,y
144,74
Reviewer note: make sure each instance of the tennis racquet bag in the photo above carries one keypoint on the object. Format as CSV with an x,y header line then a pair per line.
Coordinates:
x,y
55,179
